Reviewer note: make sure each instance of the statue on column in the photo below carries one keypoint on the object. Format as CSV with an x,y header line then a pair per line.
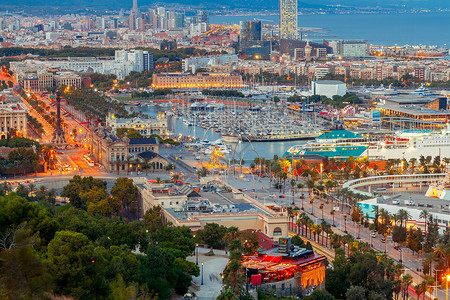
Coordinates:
x,y
59,140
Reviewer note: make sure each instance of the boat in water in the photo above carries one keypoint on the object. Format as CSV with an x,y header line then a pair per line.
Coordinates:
x,y
422,91
228,138
407,144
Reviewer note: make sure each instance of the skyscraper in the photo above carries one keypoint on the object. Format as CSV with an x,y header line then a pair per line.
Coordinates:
x,y
288,19
135,8
203,16
249,33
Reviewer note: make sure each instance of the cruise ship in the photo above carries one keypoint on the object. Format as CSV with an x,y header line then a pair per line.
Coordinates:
x,y
341,143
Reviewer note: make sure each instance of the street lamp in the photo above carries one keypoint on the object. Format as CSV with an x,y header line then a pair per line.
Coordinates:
x,y
345,223
196,254
202,274
246,280
447,279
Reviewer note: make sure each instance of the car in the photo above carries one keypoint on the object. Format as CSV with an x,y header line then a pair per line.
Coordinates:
x,y
282,196
373,234
383,240
398,248
59,152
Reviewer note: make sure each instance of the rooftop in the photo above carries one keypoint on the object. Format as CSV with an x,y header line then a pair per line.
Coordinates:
x,y
415,110
144,141
329,82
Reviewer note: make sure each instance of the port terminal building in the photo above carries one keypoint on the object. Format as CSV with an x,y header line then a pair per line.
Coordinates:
x,y
413,193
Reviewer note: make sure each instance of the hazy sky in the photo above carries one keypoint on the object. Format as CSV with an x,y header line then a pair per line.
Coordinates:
x,y
114,4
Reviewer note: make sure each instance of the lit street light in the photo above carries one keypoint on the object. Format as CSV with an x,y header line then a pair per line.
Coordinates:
x,y
447,279
196,254
202,275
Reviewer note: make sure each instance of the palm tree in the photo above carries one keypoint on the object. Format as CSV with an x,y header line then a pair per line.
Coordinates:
x,y
413,162
31,187
336,240
291,215
347,240
310,184
403,215
425,215
175,177
145,165
128,159
328,231
317,230
310,224
268,164
302,220
406,282
332,213
300,186
420,288
137,161
293,185
284,176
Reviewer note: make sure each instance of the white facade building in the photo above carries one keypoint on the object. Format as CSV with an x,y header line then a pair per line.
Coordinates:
x,y
120,65
328,88
146,127
193,63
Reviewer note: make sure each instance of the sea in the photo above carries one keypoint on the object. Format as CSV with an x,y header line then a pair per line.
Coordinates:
x,y
379,29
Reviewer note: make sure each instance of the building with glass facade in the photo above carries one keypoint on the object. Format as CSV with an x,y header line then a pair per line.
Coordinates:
x,y
250,33
288,19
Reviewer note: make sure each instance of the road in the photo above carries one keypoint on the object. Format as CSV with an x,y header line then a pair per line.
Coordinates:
x,y
262,190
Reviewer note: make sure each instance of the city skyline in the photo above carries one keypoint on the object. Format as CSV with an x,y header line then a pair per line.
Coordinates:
x,y
232,4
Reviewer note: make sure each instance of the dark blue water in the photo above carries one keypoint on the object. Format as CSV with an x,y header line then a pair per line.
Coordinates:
x,y
385,29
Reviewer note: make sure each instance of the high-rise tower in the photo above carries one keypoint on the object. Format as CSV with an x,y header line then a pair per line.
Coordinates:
x,y
135,8
288,19
249,33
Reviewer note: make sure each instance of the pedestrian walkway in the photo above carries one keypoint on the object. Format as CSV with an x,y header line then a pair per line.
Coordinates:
x,y
210,276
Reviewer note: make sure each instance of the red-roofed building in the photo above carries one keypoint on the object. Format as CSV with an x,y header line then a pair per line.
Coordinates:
x,y
291,270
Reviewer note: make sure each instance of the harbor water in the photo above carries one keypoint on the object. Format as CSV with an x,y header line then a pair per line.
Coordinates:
x,y
248,150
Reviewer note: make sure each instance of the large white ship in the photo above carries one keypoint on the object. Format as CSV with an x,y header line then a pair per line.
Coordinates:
x,y
405,144
412,144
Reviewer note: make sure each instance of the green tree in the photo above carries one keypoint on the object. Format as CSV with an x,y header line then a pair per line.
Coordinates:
x,y
16,211
355,293
131,133
212,235
71,261
321,295
80,185
152,219
23,275
125,190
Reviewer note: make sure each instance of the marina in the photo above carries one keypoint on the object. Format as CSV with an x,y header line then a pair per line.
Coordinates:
x,y
257,123
241,148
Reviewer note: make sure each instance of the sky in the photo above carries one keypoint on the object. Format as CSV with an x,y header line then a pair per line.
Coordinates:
x,y
115,4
